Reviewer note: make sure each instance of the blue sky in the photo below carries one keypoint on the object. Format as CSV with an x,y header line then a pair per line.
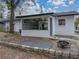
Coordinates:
x,y
47,6
60,5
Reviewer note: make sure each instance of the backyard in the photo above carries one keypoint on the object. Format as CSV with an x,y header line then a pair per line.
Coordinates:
x,y
10,53
44,43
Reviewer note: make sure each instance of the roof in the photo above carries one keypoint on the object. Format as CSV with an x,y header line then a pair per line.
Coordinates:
x,y
53,14
7,20
66,13
43,14
16,19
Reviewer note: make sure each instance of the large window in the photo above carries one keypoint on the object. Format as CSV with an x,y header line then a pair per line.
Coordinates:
x,y
61,22
35,24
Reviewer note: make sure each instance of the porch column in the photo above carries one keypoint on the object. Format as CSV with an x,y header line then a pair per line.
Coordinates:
x,y
51,26
21,24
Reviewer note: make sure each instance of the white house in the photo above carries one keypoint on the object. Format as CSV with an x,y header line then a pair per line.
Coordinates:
x,y
44,25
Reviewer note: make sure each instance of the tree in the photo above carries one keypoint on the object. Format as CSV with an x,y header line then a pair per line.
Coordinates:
x,y
1,10
12,4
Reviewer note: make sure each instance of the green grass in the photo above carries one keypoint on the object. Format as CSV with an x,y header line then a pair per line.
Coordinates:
x,y
16,33
45,40
1,30
77,31
37,39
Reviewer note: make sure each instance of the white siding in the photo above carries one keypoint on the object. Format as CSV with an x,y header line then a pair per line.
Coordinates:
x,y
35,33
68,29
7,26
17,26
76,16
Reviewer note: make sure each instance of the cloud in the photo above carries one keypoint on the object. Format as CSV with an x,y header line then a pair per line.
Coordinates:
x,y
57,2
44,9
4,10
28,10
49,1
64,5
30,3
71,1
55,7
51,10
61,2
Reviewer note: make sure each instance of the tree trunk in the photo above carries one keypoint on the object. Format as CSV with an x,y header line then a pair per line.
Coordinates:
x,y
12,17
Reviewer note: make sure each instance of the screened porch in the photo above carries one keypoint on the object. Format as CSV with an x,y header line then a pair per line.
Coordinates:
x,y
37,27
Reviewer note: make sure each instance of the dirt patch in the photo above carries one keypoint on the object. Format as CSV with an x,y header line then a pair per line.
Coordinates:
x,y
18,38
10,53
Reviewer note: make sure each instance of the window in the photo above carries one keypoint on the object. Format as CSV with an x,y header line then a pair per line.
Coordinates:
x,y
26,21
61,22
35,24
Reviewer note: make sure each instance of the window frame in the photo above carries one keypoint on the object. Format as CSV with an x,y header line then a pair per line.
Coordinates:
x,y
35,24
61,22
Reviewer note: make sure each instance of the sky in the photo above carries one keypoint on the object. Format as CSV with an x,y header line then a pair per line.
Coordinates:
x,y
60,5
51,6
45,5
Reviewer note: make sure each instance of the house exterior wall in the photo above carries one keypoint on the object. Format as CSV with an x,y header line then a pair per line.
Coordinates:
x,y
35,33
17,26
6,26
76,16
67,29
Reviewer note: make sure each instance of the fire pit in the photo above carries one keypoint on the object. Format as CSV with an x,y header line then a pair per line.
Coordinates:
x,y
63,44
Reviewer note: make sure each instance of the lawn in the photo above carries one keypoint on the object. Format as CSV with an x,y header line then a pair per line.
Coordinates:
x,y
77,31
45,40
